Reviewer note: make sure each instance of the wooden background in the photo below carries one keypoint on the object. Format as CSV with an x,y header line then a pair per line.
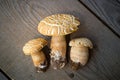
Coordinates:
x,y
100,21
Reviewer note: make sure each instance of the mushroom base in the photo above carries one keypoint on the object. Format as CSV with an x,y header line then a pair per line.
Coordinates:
x,y
75,65
58,52
39,61
58,64
79,54
42,67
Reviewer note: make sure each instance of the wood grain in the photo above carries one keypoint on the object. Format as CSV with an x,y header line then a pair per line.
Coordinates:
x,y
106,10
18,24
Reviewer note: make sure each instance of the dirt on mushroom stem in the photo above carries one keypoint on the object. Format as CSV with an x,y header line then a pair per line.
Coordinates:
x,y
79,56
58,52
33,47
79,53
39,61
58,25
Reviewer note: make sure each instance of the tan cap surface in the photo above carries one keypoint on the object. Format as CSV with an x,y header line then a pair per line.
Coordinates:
x,y
81,42
58,24
34,45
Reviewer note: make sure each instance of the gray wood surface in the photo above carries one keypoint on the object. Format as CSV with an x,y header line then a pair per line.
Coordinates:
x,y
106,10
18,24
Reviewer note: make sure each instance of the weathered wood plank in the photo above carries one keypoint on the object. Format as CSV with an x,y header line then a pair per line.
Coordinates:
x,y
18,24
107,10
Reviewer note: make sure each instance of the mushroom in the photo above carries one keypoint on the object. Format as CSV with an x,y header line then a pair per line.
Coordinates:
x,y
58,26
79,52
33,48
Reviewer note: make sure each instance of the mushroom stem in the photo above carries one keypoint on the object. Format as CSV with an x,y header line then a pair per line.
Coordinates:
x,y
38,57
39,60
79,56
58,51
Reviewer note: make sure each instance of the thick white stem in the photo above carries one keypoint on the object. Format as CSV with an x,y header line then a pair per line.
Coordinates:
x,y
79,55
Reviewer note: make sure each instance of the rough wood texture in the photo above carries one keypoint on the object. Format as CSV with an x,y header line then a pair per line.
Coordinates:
x,y
18,24
107,10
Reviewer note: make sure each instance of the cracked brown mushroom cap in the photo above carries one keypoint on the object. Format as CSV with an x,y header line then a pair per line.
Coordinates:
x,y
34,45
79,53
58,26
81,42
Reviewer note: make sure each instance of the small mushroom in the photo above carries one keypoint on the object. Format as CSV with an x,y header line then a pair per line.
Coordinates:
x,y
79,53
33,48
58,26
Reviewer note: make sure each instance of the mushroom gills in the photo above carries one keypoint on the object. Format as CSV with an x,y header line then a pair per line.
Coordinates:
x,y
75,65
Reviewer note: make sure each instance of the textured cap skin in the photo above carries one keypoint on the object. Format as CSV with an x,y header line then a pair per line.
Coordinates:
x,y
81,42
58,24
34,45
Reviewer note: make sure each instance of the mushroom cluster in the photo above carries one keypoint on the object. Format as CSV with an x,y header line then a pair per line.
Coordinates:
x,y
58,26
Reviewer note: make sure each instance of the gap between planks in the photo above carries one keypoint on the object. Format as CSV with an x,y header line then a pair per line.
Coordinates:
x,y
99,18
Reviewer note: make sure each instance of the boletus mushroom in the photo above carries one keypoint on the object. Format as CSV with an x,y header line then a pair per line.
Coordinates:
x,y
34,48
79,52
58,26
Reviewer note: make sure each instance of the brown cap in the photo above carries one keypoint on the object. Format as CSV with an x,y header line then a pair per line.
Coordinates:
x,y
58,24
34,45
81,42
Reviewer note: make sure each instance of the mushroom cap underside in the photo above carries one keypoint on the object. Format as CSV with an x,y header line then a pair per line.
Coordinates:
x,y
81,42
58,24
34,45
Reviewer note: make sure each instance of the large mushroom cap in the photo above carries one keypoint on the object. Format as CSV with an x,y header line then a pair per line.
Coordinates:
x,y
58,24
81,42
34,45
